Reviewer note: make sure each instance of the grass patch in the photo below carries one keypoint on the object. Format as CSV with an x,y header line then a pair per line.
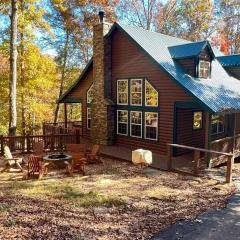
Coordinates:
x,y
10,223
91,199
3,207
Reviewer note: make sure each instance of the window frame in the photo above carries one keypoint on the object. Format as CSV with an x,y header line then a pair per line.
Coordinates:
x,y
121,110
136,124
204,69
130,90
89,109
196,129
145,127
122,80
89,89
145,88
217,133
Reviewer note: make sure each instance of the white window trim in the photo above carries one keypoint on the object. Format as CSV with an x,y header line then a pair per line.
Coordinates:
x,y
135,124
122,80
218,129
134,79
88,117
199,64
90,88
122,122
146,81
145,126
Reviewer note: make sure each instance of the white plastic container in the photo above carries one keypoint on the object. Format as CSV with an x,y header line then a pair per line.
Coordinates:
x,y
141,156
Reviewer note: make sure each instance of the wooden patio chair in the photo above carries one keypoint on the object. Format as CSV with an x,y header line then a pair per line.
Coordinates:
x,y
79,149
78,152
38,148
94,155
35,167
11,161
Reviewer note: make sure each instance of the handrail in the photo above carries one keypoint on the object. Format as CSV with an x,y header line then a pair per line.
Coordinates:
x,y
201,149
197,157
224,139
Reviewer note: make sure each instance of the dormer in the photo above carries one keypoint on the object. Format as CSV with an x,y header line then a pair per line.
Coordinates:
x,y
231,64
195,58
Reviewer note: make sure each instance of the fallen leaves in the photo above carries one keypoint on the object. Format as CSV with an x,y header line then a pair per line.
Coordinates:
x,y
53,207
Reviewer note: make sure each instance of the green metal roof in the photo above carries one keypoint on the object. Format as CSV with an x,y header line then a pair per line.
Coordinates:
x,y
192,49
230,60
219,93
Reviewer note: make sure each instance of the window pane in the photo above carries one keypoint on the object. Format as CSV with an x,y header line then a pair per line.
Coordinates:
x,y
122,91
136,92
122,122
151,95
151,125
217,124
204,69
90,94
89,118
136,124
197,120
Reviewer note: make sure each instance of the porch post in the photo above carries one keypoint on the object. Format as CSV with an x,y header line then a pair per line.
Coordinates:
x,y
207,136
65,115
234,133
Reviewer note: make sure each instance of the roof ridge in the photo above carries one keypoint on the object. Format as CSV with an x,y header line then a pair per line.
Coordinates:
x,y
122,24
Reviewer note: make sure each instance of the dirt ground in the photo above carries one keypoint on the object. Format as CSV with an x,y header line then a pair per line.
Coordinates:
x,y
115,200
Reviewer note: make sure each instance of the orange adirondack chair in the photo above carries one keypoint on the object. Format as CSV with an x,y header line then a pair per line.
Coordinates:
x,y
94,156
35,167
38,148
78,152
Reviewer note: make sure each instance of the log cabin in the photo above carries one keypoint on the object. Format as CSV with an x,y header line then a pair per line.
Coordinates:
x,y
143,89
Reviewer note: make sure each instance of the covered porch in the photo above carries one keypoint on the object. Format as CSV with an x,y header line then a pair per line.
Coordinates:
x,y
69,118
194,126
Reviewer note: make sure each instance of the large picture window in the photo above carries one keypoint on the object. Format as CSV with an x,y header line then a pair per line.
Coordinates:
x,y
217,124
122,92
151,95
197,120
90,94
89,118
204,69
136,124
122,122
136,92
151,125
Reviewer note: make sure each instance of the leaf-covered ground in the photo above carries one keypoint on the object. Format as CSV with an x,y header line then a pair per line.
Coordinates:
x,y
113,201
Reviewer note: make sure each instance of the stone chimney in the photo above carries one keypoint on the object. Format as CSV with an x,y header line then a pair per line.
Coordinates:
x,y
102,130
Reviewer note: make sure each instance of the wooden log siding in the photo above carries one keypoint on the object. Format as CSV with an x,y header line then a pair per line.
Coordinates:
x,y
189,65
81,92
128,61
185,133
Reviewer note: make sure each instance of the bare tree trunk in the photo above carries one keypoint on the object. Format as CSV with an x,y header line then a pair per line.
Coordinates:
x,y
65,56
13,71
22,76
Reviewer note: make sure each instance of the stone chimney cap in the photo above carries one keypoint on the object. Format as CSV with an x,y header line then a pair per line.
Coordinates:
x,y
101,15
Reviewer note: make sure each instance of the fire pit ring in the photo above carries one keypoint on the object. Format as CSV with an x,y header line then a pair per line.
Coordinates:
x,y
57,157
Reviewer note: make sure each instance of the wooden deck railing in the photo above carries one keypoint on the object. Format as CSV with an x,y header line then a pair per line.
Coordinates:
x,y
197,158
24,144
224,145
59,127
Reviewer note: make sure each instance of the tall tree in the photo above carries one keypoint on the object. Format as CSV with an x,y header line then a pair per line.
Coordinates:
x,y
141,13
228,15
189,19
13,69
